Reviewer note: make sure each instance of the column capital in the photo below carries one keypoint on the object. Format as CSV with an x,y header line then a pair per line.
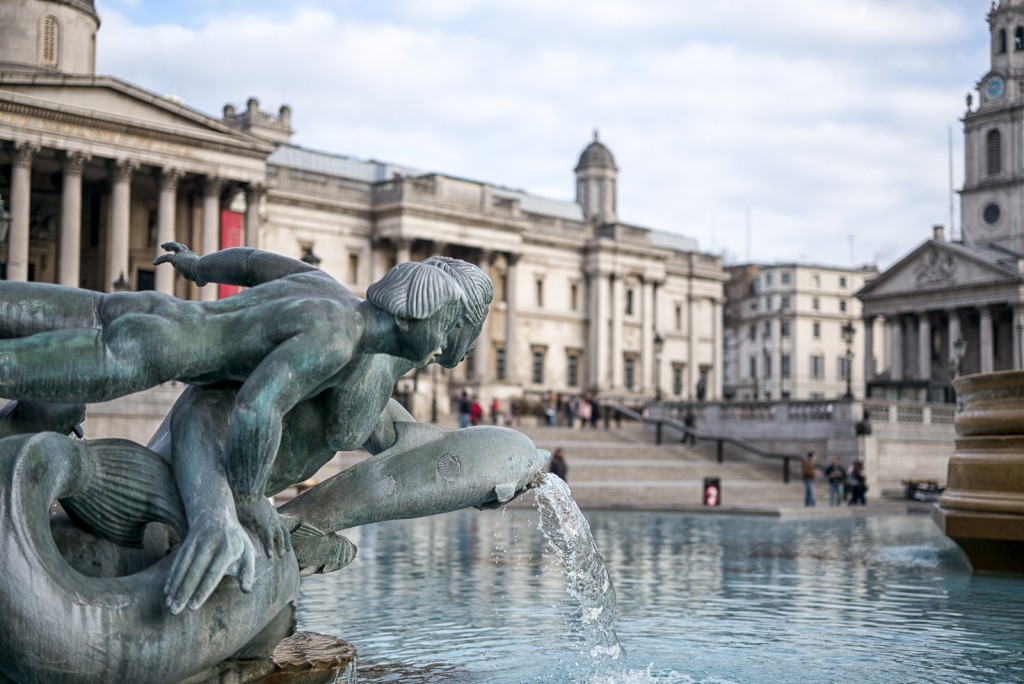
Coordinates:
x,y
24,151
123,169
255,190
74,161
212,185
170,177
512,258
485,257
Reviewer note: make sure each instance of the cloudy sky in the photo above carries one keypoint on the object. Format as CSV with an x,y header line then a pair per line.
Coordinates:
x,y
770,130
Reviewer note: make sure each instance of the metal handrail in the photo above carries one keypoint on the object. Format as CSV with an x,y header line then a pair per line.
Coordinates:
x,y
688,432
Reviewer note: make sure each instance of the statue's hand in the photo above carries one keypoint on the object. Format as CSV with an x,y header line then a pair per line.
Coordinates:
x,y
183,259
212,549
267,524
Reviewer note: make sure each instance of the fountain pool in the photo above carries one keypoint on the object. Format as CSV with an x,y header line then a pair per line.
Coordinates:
x,y
479,597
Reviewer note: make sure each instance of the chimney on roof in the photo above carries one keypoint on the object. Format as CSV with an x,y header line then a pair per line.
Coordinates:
x,y
939,232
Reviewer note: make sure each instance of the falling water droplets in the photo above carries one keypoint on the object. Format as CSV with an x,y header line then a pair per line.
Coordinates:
x,y
586,576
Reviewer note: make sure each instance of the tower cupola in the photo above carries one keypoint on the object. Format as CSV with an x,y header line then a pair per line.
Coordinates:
x,y
595,182
50,36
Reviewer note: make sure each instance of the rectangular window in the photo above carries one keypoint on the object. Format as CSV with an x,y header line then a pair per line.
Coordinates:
x,y
572,369
816,330
816,304
785,303
753,366
574,297
842,368
538,367
784,331
752,333
629,302
630,372
679,317
353,269
786,367
842,281
816,280
540,293
767,365
499,363
842,305
817,367
768,303
677,380
785,277
767,279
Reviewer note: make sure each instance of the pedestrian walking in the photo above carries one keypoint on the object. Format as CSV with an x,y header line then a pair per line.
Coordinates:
x,y
810,472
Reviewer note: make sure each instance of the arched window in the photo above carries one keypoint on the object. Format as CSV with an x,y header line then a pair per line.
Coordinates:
x,y
1001,42
50,41
994,152
1018,39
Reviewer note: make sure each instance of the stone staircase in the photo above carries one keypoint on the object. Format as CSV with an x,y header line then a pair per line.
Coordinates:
x,y
623,469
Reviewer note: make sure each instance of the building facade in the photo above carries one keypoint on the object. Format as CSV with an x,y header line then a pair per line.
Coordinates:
x,y
97,173
954,307
793,331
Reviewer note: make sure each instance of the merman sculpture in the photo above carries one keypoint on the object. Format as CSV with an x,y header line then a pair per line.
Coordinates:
x,y
211,465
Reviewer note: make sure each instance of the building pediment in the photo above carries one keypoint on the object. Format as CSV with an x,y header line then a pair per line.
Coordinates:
x,y
101,109
937,266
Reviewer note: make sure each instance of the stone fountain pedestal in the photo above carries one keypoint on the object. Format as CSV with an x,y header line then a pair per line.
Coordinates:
x,y
982,508
302,658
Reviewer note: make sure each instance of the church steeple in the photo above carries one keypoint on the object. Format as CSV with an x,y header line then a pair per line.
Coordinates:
x,y
991,211
595,182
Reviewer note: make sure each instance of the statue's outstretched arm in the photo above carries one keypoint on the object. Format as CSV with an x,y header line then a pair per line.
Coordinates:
x,y
291,373
216,544
243,266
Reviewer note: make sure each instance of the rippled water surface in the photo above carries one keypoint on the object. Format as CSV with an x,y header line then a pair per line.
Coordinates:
x,y
478,597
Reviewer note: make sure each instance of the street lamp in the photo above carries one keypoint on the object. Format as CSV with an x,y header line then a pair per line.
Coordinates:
x,y
5,225
659,344
848,332
121,284
310,258
959,352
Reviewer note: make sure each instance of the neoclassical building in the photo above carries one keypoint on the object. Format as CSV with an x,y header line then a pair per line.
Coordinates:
x,y
958,306
97,173
794,331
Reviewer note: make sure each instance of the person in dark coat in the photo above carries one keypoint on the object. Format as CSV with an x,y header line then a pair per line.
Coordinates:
x,y
558,466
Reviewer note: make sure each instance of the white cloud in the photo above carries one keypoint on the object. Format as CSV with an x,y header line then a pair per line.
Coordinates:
x,y
823,119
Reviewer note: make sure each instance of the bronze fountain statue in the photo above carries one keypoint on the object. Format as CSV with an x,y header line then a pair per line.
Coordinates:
x,y
130,583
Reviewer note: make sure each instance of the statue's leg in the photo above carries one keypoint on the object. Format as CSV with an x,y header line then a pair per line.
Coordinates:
x,y
30,308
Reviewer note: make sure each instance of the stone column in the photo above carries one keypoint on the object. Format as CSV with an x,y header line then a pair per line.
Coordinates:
x,y
20,202
69,257
403,250
924,347
985,339
253,196
212,187
896,340
869,348
169,179
593,329
954,334
647,382
691,351
481,352
122,171
714,386
615,381
511,352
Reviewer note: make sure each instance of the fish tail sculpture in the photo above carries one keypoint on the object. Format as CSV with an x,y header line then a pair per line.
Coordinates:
x,y
58,624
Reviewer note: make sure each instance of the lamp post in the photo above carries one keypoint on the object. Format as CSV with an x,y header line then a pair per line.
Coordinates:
x,y
848,332
5,225
659,344
959,352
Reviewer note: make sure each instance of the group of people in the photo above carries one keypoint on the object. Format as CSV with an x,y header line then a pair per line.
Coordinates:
x,y
843,484
579,411
471,411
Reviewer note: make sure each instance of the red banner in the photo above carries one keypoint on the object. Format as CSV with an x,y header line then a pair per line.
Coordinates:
x,y
232,226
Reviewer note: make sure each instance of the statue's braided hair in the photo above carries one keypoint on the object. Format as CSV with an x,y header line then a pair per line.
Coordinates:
x,y
415,291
